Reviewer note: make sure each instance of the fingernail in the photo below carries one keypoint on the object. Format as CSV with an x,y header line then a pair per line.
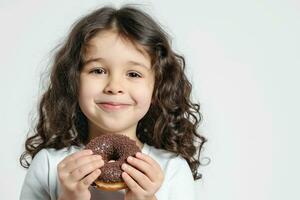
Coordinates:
x,y
138,154
124,166
89,151
129,158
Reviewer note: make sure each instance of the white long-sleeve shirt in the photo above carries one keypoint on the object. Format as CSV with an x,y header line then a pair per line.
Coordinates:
x,y
41,180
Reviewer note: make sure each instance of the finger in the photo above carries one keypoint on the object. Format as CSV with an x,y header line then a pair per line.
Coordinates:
x,y
85,169
131,184
143,166
75,156
138,176
155,169
74,164
147,159
88,180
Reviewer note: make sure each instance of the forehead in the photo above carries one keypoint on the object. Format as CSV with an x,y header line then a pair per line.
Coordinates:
x,y
112,45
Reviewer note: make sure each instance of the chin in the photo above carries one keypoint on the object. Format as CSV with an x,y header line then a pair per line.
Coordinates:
x,y
113,129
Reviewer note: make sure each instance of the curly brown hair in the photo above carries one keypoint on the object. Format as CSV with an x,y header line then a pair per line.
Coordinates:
x,y
172,120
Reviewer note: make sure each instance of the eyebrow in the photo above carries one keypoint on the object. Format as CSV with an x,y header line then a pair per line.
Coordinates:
x,y
103,59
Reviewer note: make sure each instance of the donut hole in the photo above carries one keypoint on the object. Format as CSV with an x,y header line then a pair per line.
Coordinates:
x,y
114,156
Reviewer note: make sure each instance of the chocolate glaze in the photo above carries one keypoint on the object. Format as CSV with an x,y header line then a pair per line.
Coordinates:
x,y
113,147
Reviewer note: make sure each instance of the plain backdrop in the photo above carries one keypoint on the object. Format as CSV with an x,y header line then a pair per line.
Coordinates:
x,y
242,58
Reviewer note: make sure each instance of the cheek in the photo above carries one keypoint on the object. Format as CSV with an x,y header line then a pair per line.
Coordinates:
x,y
87,91
144,100
143,96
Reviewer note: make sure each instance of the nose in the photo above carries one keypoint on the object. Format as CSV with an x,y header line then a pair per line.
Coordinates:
x,y
114,86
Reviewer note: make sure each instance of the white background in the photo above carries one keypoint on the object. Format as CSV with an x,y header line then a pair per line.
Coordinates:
x,y
242,57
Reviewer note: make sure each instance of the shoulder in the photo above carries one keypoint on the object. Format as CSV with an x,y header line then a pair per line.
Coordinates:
x,y
48,158
54,154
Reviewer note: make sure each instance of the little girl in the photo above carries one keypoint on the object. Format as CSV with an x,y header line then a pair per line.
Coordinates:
x,y
115,74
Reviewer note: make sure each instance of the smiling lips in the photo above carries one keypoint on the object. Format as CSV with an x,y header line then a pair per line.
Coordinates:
x,y
112,106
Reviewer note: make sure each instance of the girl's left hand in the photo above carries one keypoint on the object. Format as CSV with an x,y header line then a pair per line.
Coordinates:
x,y
143,177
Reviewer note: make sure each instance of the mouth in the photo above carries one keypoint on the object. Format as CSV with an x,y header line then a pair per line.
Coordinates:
x,y
112,106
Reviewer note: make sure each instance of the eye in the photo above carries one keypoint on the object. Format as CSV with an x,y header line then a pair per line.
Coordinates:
x,y
98,71
134,75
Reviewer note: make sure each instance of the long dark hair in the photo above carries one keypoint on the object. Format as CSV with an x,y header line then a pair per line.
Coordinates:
x,y
171,122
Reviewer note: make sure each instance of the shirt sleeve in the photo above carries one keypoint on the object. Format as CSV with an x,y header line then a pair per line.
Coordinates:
x,y
182,184
36,183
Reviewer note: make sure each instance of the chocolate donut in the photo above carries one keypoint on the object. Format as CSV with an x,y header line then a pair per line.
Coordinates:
x,y
116,148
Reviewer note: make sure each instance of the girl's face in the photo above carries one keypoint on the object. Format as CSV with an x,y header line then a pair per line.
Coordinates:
x,y
116,85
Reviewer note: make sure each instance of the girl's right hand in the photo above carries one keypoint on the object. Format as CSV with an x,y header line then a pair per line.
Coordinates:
x,y
76,173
